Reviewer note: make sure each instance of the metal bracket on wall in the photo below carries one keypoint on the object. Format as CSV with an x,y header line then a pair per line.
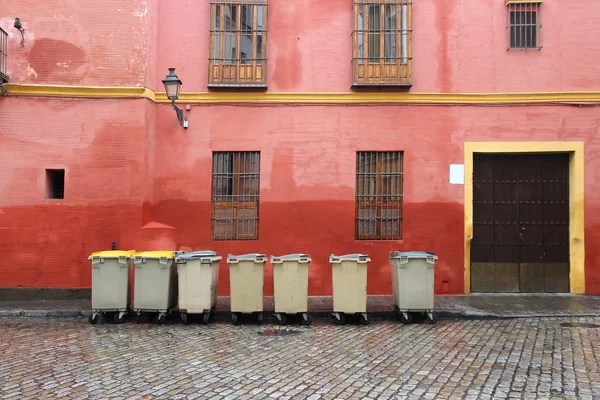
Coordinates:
x,y
180,117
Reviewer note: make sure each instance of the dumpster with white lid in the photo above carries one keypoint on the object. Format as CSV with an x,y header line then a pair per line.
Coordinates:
x,y
290,281
413,277
247,285
349,286
110,284
155,288
198,273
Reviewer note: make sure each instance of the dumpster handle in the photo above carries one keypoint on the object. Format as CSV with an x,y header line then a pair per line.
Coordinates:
x,y
97,260
180,261
122,259
403,259
430,260
163,261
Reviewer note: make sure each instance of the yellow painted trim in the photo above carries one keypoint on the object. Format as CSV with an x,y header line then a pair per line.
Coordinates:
x,y
78,91
576,193
524,2
304,98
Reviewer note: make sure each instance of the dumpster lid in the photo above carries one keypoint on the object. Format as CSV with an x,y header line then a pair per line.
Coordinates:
x,y
155,254
112,253
197,254
249,256
291,256
412,254
349,256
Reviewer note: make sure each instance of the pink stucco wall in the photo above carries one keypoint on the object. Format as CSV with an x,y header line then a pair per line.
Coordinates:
x,y
458,45
129,163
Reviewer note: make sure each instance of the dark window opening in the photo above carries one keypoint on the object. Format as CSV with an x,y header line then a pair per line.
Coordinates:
x,y
55,183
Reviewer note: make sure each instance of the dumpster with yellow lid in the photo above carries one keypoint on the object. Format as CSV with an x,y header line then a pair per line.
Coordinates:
x,y
155,283
110,284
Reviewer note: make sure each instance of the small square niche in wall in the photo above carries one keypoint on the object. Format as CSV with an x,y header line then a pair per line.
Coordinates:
x,y
55,184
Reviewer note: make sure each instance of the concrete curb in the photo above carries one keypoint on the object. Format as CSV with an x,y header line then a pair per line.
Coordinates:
x,y
317,315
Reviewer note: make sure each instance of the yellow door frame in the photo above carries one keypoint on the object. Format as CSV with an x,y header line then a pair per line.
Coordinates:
x,y
576,191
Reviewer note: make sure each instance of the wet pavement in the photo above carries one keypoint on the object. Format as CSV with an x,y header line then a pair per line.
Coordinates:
x,y
458,306
548,358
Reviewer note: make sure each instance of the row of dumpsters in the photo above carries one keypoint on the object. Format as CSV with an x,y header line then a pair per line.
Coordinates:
x,y
168,281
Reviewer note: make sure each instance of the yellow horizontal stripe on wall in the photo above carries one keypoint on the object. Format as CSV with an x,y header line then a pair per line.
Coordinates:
x,y
303,98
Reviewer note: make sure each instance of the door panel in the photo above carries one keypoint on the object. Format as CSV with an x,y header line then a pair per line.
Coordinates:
x,y
520,223
557,277
530,277
506,277
482,277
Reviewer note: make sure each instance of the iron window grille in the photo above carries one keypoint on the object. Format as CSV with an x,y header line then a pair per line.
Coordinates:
x,y
382,40
3,56
238,43
524,24
379,195
235,195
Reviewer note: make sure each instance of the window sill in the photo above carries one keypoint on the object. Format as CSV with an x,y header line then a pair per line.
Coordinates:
x,y
524,48
379,85
238,86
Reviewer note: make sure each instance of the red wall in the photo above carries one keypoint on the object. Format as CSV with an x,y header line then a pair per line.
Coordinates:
x,y
128,162
104,147
308,157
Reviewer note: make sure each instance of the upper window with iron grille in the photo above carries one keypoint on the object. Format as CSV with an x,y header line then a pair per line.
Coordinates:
x,y
379,195
524,24
235,194
382,43
3,56
238,43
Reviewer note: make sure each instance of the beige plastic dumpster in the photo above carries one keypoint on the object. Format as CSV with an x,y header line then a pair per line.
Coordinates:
x,y
155,288
198,273
247,285
110,284
290,281
413,275
349,286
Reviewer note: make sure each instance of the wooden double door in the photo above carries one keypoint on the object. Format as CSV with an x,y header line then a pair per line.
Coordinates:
x,y
520,223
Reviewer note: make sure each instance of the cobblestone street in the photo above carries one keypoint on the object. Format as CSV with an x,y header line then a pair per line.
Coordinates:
x,y
477,359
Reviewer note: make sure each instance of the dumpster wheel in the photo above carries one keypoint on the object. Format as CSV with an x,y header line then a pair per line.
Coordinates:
x,y
431,318
119,317
206,317
159,318
234,318
280,317
339,318
259,317
94,318
306,319
405,317
184,317
364,319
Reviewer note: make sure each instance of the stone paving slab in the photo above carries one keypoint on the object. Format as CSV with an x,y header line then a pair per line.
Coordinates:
x,y
459,306
531,358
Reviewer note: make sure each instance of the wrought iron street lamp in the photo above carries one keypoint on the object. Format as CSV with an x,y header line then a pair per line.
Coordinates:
x,y
172,85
